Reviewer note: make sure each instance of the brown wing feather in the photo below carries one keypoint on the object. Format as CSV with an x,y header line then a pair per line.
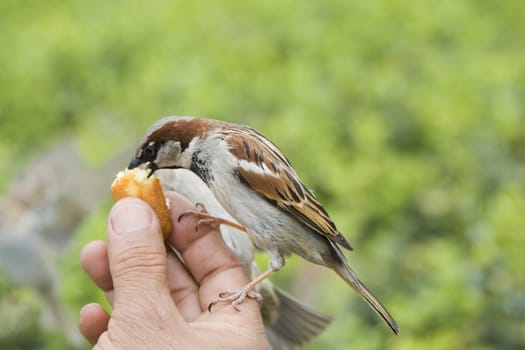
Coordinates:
x,y
265,169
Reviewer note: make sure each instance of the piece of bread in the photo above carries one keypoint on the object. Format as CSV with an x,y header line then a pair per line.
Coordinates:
x,y
136,183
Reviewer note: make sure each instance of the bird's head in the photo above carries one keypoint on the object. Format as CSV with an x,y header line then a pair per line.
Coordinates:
x,y
169,143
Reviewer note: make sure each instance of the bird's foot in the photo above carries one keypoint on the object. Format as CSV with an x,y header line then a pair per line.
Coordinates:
x,y
248,291
204,218
236,298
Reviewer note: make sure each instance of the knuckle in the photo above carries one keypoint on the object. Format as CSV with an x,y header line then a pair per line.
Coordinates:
x,y
139,260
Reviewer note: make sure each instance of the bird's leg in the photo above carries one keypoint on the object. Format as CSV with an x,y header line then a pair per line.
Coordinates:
x,y
248,291
207,219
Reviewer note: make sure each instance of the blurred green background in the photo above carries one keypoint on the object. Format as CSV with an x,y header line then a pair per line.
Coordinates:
x,y
407,119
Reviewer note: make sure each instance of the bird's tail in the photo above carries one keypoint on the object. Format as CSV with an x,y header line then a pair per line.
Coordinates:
x,y
295,324
350,277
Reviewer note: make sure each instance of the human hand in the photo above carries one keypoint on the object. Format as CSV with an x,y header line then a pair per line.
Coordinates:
x,y
158,302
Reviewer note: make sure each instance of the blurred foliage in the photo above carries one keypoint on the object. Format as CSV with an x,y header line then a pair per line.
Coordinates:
x,y
406,118
20,312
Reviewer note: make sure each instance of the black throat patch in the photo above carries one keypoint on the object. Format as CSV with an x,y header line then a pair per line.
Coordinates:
x,y
198,166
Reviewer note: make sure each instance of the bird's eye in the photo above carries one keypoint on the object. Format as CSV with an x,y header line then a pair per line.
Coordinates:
x,y
150,151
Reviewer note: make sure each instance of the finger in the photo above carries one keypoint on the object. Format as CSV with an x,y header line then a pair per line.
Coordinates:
x,y
212,264
94,260
93,322
183,288
137,262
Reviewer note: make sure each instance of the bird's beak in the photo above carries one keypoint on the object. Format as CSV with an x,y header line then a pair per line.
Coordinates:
x,y
137,163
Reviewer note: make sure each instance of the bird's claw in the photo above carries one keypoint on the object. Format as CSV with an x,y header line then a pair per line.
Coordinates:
x,y
204,218
236,298
199,210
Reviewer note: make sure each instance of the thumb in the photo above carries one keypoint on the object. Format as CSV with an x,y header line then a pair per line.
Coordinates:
x,y
137,258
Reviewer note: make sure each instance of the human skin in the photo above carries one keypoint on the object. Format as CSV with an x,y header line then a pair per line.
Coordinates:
x,y
158,302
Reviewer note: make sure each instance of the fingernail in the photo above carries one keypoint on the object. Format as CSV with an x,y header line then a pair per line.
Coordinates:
x,y
129,217
86,308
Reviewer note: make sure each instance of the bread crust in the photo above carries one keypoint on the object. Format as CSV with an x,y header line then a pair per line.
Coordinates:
x,y
136,183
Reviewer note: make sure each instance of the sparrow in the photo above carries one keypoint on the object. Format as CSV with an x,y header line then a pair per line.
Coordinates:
x,y
288,322
257,185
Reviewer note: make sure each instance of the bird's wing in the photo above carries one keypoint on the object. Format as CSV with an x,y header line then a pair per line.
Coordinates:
x,y
264,168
